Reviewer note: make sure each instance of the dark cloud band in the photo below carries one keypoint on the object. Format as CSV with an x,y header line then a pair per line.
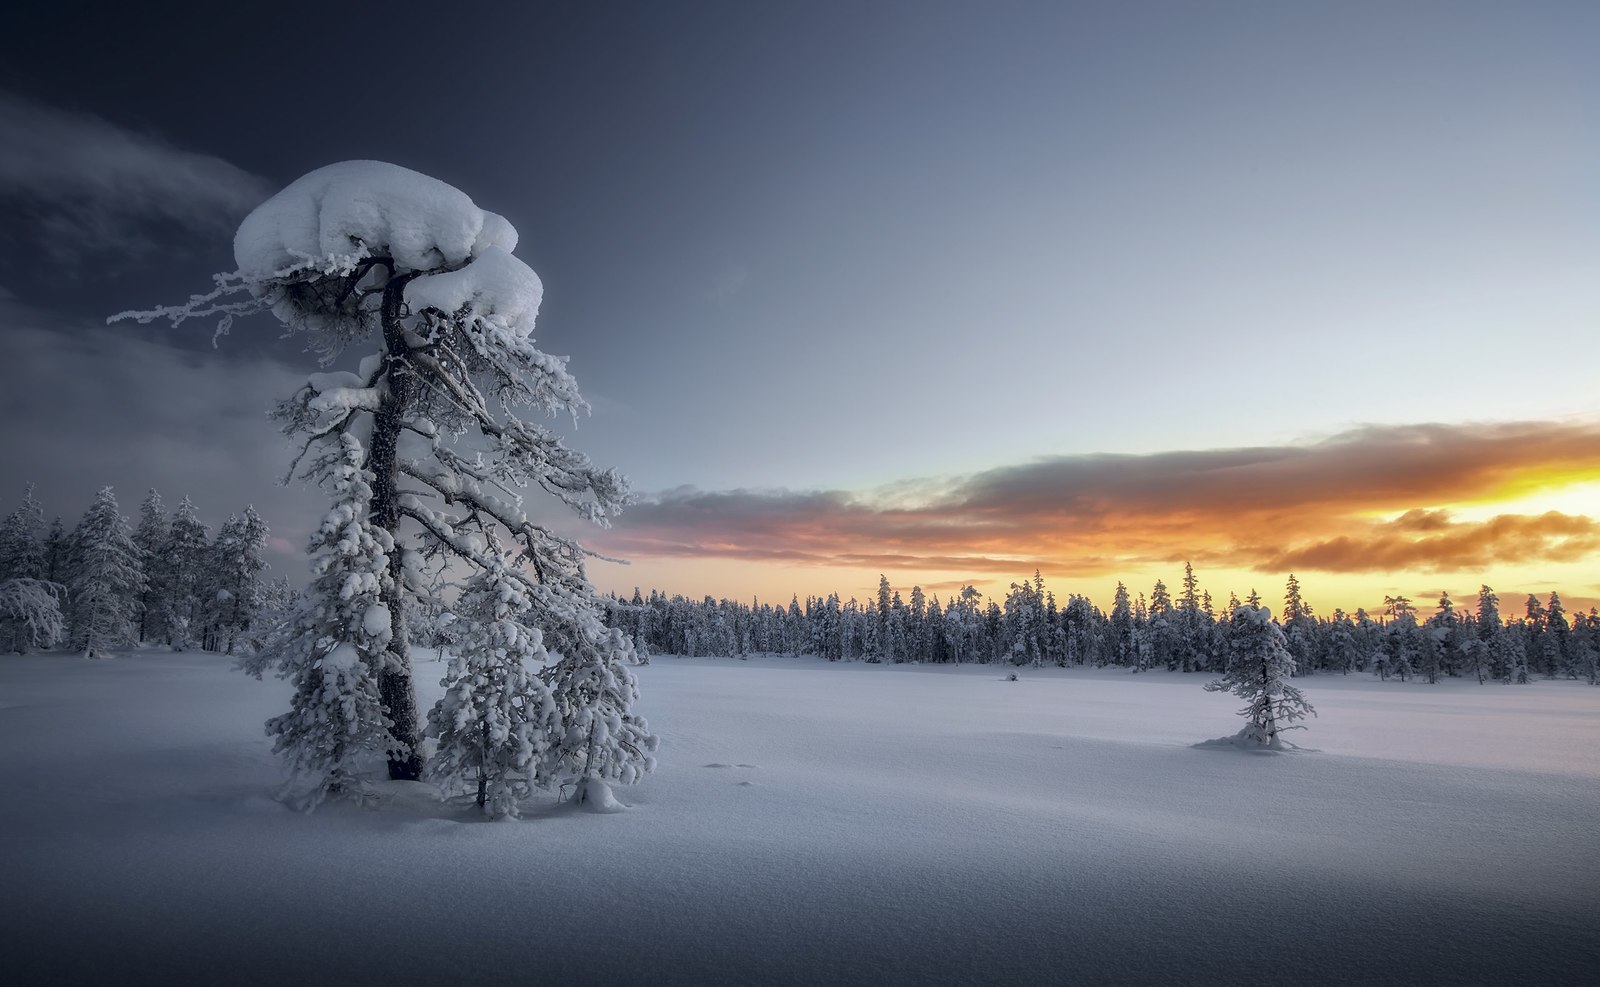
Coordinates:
x,y
1314,507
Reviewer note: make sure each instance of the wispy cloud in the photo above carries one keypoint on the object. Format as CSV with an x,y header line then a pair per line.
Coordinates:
x,y
1329,506
78,185
86,406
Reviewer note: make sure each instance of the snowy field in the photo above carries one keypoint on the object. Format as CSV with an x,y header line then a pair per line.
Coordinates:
x,y
821,824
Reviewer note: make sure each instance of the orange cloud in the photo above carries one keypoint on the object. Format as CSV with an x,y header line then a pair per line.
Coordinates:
x,y
1308,507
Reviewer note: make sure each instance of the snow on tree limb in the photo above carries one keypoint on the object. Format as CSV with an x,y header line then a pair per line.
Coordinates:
x,y
31,610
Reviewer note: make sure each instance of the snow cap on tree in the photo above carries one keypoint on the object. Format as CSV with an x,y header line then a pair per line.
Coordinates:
x,y
354,209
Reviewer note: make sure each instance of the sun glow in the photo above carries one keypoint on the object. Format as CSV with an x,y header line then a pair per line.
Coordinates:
x,y
1566,492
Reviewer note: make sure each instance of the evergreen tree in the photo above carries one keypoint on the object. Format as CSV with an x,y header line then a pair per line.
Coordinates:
x,y
1299,627
152,535
234,577
603,740
108,580
330,648
1488,658
1165,644
1401,641
1342,650
186,558
1441,640
496,721
1557,640
1586,645
21,547
1533,633
1126,650
1259,669
57,554
1194,621
30,614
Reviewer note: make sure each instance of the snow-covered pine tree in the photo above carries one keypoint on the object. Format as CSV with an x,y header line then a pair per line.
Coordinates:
x,y
151,536
30,613
1532,635
1299,627
1122,636
1195,624
496,722
332,645
56,552
1165,631
603,740
108,580
236,590
1586,644
1401,637
185,563
1259,669
362,253
21,550
1557,651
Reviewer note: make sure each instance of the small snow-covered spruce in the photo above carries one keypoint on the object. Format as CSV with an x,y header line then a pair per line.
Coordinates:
x,y
602,740
330,647
235,589
151,536
185,560
1259,668
30,613
21,548
30,605
107,580
373,256
496,721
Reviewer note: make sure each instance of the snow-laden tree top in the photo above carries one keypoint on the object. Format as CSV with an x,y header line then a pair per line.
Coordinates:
x,y
498,288
343,212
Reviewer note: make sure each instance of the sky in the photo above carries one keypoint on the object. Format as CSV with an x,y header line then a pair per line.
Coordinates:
x,y
948,292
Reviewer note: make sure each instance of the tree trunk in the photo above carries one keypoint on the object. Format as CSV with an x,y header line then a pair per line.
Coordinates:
x,y
395,689
483,772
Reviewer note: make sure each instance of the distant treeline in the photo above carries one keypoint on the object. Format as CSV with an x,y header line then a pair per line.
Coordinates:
x,y
105,585
1181,633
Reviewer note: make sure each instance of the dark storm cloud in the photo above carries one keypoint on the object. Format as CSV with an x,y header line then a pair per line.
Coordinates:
x,y
69,393
1311,507
74,185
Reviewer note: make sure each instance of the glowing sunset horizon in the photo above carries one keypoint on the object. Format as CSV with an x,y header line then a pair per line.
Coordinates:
x,y
1375,511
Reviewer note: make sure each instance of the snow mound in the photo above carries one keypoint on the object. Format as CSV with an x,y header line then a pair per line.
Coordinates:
x,y
1246,741
496,285
354,207
594,795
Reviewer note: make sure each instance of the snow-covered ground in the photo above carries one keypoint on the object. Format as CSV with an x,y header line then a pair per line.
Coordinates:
x,y
815,823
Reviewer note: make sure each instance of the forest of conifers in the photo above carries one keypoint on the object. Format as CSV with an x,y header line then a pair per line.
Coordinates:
x,y
1182,633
